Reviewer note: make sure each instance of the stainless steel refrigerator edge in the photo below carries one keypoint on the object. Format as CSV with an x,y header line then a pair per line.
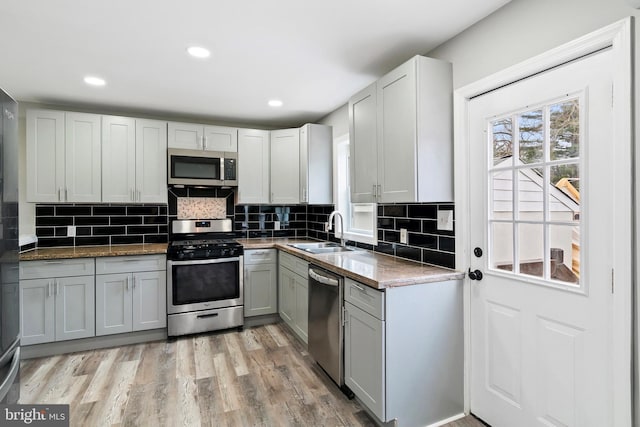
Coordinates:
x,y
9,267
325,322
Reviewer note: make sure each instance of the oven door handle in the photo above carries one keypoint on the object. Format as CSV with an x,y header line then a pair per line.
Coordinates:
x,y
204,316
203,261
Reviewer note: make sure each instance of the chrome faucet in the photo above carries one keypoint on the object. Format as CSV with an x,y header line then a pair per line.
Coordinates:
x,y
329,228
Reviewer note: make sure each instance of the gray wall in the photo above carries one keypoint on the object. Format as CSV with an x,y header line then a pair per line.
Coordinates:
x,y
518,31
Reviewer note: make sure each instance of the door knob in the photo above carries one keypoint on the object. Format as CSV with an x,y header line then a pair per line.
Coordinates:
x,y
475,275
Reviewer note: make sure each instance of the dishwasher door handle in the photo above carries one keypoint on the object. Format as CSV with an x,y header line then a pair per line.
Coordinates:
x,y
322,279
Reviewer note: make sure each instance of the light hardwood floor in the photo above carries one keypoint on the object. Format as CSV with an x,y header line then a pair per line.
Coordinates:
x,y
261,376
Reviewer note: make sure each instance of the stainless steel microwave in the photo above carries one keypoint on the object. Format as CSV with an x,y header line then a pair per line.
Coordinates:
x,y
200,167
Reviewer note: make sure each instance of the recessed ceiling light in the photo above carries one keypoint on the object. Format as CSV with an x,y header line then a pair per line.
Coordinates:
x,y
275,103
94,81
198,52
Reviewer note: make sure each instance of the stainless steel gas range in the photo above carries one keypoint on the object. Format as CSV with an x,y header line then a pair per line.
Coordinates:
x,y
204,277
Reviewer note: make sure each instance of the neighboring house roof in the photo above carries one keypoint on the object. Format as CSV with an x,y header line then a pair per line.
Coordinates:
x,y
530,188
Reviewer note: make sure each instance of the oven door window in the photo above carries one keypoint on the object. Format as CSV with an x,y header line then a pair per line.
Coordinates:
x,y
186,167
196,283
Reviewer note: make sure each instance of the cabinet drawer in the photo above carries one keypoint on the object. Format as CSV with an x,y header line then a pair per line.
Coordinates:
x,y
57,268
260,256
295,264
364,297
130,264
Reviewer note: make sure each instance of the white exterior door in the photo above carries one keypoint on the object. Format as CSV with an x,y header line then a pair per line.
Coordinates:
x,y
541,200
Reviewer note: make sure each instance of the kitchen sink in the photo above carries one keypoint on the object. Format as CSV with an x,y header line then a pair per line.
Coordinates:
x,y
321,247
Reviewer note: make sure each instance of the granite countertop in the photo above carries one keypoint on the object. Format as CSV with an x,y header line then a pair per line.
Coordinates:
x,y
376,270
94,251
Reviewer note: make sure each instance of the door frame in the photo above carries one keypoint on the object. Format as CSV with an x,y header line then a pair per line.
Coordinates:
x,y
619,36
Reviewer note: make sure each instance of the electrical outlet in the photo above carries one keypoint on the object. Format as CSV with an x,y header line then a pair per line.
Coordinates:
x,y
276,225
445,220
326,227
403,236
71,231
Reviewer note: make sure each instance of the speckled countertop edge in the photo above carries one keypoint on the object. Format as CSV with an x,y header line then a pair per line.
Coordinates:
x,y
386,271
394,271
94,251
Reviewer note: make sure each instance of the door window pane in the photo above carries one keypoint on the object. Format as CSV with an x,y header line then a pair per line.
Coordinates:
x,y
502,195
564,140
531,136
531,249
530,194
502,246
536,197
564,242
502,141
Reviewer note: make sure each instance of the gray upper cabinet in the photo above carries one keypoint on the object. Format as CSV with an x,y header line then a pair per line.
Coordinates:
x,y
363,145
413,135
202,137
63,157
253,166
134,159
316,164
285,166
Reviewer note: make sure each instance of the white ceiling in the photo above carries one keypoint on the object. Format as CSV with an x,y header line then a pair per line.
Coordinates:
x,y
313,55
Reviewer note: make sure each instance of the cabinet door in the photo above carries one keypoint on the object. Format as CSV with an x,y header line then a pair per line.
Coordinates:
x,y
260,289
75,307
285,166
363,145
37,311
45,155
286,295
118,159
113,303
185,135
316,164
253,166
364,363
301,315
83,180
149,300
397,129
221,138
151,161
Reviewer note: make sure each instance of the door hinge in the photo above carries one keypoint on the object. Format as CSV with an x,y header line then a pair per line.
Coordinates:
x,y
612,281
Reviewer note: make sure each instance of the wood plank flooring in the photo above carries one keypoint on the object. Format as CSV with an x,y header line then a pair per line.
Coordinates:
x,y
261,376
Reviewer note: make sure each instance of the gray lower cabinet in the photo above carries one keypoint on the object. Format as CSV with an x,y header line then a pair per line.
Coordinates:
x,y
293,293
131,294
364,358
404,351
260,282
57,300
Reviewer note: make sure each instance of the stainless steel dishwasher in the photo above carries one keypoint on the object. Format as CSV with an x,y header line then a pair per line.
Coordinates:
x,y
325,321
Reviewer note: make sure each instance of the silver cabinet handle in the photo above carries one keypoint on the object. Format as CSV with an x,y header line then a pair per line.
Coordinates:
x,y
66,195
358,287
48,289
57,287
60,194
134,282
374,191
379,192
139,195
128,280
204,142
